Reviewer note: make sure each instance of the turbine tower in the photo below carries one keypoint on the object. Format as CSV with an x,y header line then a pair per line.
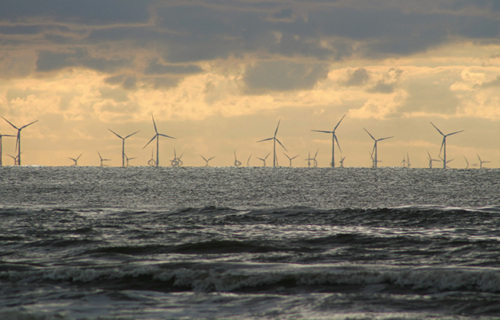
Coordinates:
x,y
274,143
206,160
481,161
334,140
290,158
1,136
102,159
75,160
237,163
123,144
443,144
374,150
18,140
157,137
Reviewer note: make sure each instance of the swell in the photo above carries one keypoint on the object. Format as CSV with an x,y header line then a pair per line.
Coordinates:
x,y
226,277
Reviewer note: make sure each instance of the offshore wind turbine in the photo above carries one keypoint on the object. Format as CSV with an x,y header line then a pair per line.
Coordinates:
x,y
157,137
123,144
75,160
18,140
152,162
431,160
274,143
1,156
128,159
342,161
264,159
481,161
334,139
443,144
176,161
314,159
290,158
13,158
237,163
206,160
375,150
102,159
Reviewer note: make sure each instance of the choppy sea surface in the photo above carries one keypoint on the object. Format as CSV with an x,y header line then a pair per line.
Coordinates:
x,y
249,243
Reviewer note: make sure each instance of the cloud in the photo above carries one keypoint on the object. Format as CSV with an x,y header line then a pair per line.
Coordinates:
x,y
156,67
283,76
51,61
491,84
358,77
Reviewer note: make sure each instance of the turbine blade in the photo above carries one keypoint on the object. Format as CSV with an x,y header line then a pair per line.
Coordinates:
x,y
29,124
210,158
131,134
100,157
294,157
323,131
442,145
11,123
266,139
316,154
370,134
203,157
267,156
277,127
116,134
150,141
154,124
449,134
79,156
338,144
437,129
338,123
385,138
287,156
281,144
164,135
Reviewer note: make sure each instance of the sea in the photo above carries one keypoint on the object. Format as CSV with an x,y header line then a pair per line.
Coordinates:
x,y
249,243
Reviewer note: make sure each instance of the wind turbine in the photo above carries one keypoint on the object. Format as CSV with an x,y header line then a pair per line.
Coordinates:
x,y
264,159
443,144
274,143
431,160
157,137
374,150
152,162
290,158
481,161
334,139
18,140
123,144
1,136
102,159
13,158
206,160
176,161
237,163
75,160
447,161
342,162
128,159
314,159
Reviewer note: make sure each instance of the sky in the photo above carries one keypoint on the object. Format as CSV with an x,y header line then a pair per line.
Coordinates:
x,y
219,75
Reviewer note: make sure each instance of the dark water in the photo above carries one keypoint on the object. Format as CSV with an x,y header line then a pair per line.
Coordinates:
x,y
249,243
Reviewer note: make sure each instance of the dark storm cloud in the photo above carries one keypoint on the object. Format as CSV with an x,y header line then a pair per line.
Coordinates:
x,y
492,84
283,76
182,33
51,61
382,87
88,12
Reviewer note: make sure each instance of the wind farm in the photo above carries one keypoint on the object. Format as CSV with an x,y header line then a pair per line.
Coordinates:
x,y
311,160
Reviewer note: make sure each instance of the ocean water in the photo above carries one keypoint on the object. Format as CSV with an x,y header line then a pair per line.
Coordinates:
x,y
249,243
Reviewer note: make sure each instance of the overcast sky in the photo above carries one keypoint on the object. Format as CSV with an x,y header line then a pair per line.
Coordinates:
x,y
218,75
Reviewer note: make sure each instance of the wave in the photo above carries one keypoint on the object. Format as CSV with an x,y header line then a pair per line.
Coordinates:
x,y
278,278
